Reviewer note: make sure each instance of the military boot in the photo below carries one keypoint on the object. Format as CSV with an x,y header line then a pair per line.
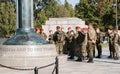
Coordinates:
x,y
79,60
99,56
90,61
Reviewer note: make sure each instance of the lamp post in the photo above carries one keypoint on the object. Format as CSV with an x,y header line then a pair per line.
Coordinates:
x,y
116,16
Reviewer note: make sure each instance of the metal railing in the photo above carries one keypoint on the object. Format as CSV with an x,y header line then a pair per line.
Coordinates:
x,y
36,69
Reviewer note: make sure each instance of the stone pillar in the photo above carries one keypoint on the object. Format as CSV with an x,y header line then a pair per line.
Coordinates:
x,y
26,49
25,14
25,34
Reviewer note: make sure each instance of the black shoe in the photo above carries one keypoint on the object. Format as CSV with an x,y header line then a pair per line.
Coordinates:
x,y
70,58
90,61
79,60
110,57
98,57
116,58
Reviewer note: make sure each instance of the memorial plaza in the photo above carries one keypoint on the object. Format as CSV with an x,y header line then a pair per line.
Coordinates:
x,y
43,40
100,66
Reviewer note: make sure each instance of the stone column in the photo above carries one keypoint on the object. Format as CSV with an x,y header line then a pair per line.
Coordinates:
x,y
25,34
25,14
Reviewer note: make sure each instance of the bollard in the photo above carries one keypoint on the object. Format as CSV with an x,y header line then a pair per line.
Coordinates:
x,y
57,66
36,70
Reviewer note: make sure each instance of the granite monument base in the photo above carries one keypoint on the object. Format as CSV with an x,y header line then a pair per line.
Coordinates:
x,y
27,56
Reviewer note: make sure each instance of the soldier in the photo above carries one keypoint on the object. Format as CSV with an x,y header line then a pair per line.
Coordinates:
x,y
116,41
58,39
111,47
64,43
99,41
79,37
37,30
70,44
84,44
51,41
42,34
67,40
91,42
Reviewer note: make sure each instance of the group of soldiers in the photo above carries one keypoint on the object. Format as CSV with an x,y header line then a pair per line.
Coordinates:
x,y
114,42
82,42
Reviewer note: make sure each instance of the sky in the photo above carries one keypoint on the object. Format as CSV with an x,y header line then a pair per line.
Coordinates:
x,y
73,2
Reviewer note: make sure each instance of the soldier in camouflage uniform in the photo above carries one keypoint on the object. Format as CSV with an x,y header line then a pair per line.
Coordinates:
x,y
70,44
37,30
91,42
58,38
67,40
84,44
79,37
99,42
111,47
42,34
51,41
64,43
116,41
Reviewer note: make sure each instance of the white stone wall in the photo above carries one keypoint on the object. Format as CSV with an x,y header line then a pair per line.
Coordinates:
x,y
63,22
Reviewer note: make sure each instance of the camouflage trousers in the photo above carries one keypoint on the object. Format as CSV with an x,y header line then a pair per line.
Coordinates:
x,y
83,51
91,49
59,48
116,51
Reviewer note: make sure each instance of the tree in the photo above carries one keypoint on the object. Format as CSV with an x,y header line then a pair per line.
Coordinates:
x,y
100,12
7,17
69,8
87,11
62,12
40,19
45,9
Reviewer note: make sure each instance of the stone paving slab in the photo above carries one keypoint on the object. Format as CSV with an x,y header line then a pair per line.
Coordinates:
x,y
100,66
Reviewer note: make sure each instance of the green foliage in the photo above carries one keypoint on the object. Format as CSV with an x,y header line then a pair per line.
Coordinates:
x,y
40,19
7,18
62,12
51,8
69,8
100,12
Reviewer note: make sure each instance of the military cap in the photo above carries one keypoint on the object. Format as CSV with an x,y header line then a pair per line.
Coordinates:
x,y
78,27
115,29
50,30
69,28
58,27
85,29
90,24
42,29
37,28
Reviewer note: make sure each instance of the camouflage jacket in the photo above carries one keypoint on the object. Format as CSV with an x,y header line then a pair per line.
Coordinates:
x,y
51,41
43,35
85,39
69,38
116,39
99,38
111,38
58,37
79,38
91,35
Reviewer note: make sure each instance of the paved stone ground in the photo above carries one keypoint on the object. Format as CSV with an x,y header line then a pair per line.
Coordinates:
x,y
100,66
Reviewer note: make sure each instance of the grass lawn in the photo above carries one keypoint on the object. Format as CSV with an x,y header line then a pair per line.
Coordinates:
x,y
104,45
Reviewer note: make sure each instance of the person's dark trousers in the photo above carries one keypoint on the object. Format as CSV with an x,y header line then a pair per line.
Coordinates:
x,y
99,49
111,48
